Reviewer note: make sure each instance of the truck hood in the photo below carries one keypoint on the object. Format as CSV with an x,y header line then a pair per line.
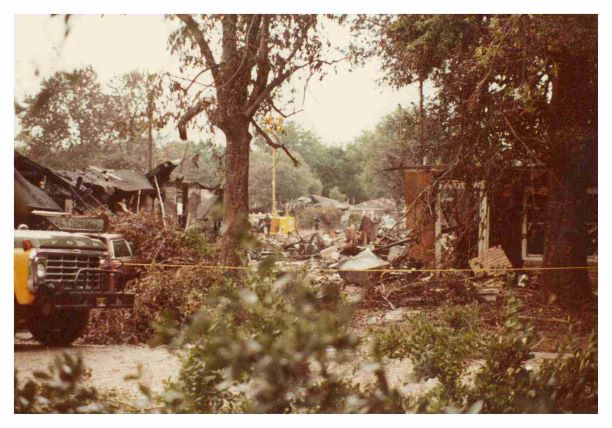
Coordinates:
x,y
53,239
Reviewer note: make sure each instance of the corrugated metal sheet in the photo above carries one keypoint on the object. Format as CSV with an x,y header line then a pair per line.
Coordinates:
x,y
110,179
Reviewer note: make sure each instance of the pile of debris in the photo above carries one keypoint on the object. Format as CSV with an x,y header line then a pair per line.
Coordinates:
x,y
376,261
370,247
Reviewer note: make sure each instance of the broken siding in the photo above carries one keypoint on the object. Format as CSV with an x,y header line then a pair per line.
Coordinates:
x,y
421,217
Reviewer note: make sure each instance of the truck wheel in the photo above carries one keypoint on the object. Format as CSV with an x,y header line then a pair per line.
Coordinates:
x,y
59,328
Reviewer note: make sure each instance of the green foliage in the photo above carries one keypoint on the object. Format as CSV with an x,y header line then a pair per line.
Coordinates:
x,y
501,381
334,166
159,292
505,384
570,381
73,122
291,181
59,389
262,348
461,317
270,347
194,240
68,120
391,342
392,143
437,351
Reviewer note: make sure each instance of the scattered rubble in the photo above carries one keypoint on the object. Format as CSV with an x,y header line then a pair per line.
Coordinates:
x,y
372,264
396,252
361,263
330,253
492,262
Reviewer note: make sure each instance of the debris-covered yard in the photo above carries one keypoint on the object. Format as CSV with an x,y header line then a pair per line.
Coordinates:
x,y
196,240
385,303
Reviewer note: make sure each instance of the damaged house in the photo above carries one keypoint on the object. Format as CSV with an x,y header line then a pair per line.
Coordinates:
x,y
185,201
446,217
40,188
115,190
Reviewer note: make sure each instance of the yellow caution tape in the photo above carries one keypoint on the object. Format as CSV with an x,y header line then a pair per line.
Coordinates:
x,y
398,270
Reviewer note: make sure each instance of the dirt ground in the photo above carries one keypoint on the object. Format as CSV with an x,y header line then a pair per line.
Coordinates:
x,y
109,364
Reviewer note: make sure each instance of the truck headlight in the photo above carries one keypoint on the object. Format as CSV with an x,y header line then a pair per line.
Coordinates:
x,y
41,269
37,271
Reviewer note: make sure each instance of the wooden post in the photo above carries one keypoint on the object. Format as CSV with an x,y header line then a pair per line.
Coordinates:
x,y
161,201
273,182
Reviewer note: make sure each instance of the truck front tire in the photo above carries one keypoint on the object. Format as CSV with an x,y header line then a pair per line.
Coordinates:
x,y
59,328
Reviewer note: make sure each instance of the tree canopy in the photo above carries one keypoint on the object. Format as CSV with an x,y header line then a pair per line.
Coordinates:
x,y
75,120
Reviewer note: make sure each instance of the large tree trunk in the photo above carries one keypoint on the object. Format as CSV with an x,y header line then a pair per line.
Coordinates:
x,y
565,236
236,195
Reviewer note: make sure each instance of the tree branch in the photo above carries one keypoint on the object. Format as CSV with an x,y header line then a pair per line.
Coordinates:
x,y
252,32
198,36
192,112
263,64
282,113
271,143
254,104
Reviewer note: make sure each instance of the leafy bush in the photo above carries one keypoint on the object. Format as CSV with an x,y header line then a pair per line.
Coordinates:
x,y
268,347
263,348
392,342
569,383
505,384
437,351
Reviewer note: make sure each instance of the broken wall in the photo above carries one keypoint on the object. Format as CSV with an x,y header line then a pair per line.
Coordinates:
x,y
421,218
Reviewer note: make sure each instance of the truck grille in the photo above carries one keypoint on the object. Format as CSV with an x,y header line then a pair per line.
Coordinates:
x,y
62,269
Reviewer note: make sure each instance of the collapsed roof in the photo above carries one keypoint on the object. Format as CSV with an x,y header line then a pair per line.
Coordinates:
x,y
41,179
28,198
110,180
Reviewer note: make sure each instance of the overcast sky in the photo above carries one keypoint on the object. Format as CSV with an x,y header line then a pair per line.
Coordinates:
x,y
338,108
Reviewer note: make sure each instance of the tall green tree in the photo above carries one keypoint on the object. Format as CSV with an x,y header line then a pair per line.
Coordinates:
x,y
75,120
510,90
69,121
392,144
333,165
141,102
243,60
291,181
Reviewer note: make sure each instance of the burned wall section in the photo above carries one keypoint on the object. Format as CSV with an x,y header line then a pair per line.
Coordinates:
x,y
420,218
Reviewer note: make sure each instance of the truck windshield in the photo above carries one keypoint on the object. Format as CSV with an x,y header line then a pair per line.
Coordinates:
x,y
121,248
78,224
